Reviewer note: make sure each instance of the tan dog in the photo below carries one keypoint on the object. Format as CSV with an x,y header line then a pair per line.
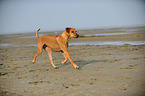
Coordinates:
x,y
56,43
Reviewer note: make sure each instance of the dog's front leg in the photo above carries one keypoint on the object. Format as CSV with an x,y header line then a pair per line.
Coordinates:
x,y
67,55
66,59
63,45
70,59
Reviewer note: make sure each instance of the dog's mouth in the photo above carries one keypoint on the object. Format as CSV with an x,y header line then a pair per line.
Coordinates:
x,y
77,36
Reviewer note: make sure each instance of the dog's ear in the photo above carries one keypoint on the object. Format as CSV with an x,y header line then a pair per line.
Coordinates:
x,y
67,29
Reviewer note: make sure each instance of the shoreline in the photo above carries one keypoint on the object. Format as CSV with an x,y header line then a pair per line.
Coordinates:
x,y
85,43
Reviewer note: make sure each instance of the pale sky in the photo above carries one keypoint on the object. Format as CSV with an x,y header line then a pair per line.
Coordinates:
x,y
20,16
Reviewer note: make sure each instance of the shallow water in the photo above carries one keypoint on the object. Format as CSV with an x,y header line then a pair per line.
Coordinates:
x,y
87,43
6,44
108,43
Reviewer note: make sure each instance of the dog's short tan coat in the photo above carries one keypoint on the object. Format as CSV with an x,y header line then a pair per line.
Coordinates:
x,y
56,43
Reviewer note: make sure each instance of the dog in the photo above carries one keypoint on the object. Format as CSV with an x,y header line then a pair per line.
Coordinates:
x,y
56,43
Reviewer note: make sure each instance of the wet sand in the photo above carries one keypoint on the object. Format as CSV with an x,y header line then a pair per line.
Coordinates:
x,y
105,70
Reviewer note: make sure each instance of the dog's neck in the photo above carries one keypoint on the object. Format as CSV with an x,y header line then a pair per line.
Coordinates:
x,y
65,36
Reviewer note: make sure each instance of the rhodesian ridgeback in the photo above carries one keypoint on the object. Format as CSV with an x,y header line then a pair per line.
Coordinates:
x,y
56,43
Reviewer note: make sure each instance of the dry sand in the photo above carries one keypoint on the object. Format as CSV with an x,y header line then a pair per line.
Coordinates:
x,y
105,70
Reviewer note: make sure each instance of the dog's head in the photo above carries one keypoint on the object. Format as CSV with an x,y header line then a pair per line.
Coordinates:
x,y
72,32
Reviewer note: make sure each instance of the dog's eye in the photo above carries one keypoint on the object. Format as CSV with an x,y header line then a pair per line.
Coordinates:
x,y
72,31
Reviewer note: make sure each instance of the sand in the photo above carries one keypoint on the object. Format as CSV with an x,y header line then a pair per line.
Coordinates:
x,y
105,70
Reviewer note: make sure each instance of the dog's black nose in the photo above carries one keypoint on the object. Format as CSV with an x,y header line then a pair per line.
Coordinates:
x,y
77,36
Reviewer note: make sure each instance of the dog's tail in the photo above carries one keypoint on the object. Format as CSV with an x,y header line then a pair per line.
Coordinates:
x,y
37,33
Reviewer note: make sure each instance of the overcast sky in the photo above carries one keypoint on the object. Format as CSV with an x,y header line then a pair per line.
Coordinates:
x,y
18,16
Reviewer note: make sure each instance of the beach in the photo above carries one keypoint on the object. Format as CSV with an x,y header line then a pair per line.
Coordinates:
x,y
112,63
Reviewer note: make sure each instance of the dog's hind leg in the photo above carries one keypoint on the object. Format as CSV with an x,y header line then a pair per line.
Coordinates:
x,y
39,51
49,52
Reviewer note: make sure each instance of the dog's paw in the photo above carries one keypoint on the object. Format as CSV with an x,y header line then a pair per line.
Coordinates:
x,y
33,62
63,62
77,67
56,67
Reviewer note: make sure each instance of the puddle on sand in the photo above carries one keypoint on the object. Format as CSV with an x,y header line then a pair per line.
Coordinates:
x,y
86,43
5,44
108,43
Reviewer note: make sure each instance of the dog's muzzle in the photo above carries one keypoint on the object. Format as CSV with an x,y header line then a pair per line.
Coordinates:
x,y
77,36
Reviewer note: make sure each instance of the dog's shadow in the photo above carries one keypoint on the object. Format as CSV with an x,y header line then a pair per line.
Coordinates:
x,y
81,63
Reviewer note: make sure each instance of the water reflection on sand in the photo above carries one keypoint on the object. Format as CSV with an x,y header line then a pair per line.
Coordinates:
x,y
109,43
86,43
